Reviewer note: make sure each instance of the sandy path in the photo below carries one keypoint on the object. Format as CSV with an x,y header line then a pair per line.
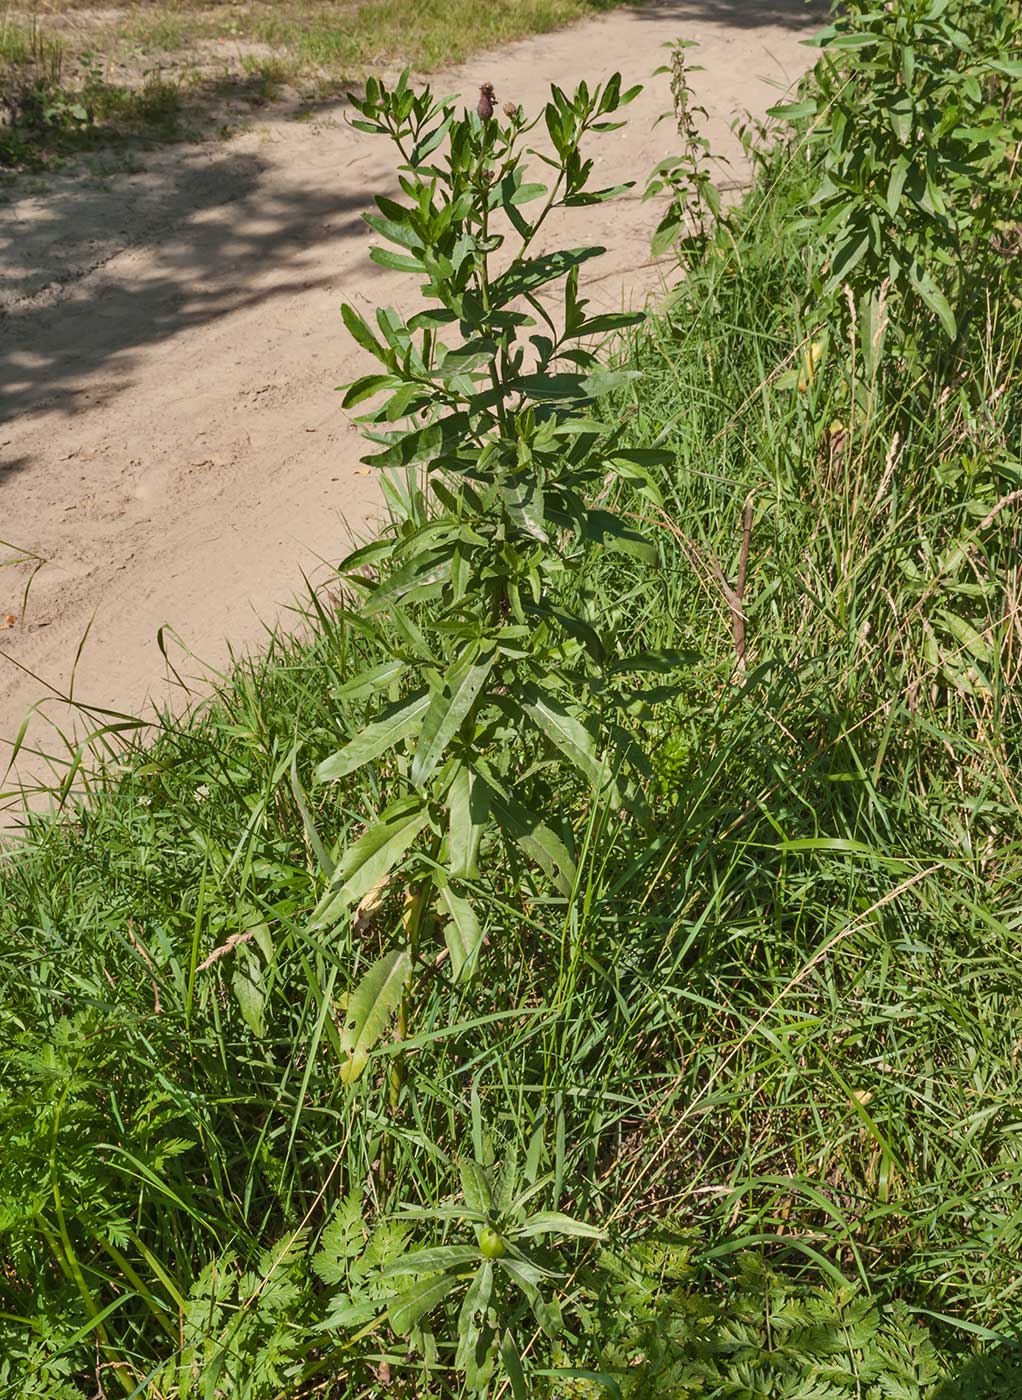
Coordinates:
x,y
170,438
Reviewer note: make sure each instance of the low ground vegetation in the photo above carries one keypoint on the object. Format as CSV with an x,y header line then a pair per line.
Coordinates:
x,y
77,77
687,1063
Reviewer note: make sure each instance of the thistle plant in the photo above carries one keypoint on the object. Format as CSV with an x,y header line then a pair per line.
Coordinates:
x,y
504,685
694,207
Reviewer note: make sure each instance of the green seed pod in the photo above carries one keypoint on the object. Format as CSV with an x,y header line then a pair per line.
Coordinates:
x,y
491,1244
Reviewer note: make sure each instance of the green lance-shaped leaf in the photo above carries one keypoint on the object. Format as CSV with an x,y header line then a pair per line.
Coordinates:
x,y
964,633
524,503
361,333
371,858
476,1340
394,725
609,321
934,299
638,477
847,258
462,933
422,573
370,1007
565,732
587,197
896,184
323,856
421,444
607,529
397,230
432,1259
468,814
513,1368
528,1275
608,381
407,1308
552,1222
539,843
369,384
531,273
250,990
449,708
376,678
400,262
793,111
668,233
475,1183
428,143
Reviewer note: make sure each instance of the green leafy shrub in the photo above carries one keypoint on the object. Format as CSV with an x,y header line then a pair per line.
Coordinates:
x,y
504,687
916,133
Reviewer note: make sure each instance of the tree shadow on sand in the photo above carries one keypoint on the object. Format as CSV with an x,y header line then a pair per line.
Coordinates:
x,y
740,14
67,322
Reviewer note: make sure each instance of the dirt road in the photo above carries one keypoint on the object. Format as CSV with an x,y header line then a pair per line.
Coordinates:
x,y
171,442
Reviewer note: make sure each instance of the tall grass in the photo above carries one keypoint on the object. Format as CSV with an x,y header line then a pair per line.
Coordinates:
x,y
787,1026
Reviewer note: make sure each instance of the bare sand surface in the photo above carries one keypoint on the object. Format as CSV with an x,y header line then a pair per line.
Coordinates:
x,y
171,439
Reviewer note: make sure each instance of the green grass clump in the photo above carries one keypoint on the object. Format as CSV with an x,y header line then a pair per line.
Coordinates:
x,y
163,32
186,60
846,805
442,32
772,1049
52,112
